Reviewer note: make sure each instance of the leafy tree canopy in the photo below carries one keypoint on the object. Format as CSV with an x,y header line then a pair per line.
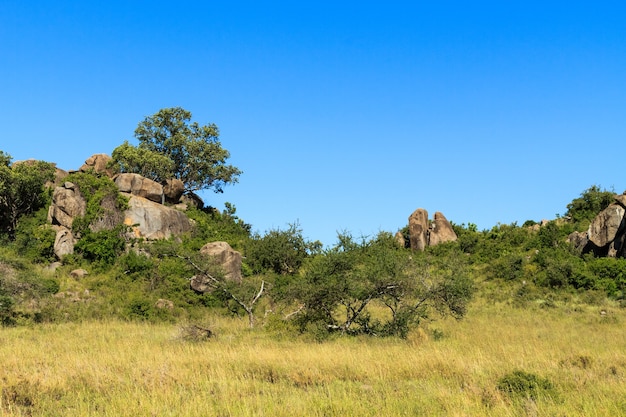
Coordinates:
x,y
591,202
22,190
170,145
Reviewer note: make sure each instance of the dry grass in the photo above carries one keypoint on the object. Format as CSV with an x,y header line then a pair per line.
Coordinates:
x,y
129,369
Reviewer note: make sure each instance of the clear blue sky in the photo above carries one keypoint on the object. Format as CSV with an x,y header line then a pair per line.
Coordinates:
x,y
343,115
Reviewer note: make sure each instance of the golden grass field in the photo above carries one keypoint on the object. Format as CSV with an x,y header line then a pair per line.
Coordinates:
x,y
115,368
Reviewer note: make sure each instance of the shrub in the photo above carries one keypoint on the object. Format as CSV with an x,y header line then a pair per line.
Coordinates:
x,y
104,246
591,202
279,251
523,384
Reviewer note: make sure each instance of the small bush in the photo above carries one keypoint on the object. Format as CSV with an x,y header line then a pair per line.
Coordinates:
x,y
524,384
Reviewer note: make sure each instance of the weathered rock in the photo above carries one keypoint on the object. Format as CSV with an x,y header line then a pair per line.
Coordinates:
x,y
64,242
192,200
228,258
400,241
67,203
52,268
201,283
173,190
153,221
59,177
579,240
140,186
79,273
621,199
617,248
440,231
418,229
604,228
98,163
164,304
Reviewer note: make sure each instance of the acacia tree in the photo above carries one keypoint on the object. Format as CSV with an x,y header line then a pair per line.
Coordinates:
x,y
171,145
345,288
22,190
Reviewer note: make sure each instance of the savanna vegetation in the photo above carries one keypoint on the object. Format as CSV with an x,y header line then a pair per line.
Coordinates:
x,y
507,321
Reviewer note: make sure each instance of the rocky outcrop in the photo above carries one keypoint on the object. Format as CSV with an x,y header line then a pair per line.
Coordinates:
x,y
140,186
400,241
606,235
418,229
67,203
97,163
64,242
422,233
192,200
146,215
440,230
150,220
228,258
604,228
173,190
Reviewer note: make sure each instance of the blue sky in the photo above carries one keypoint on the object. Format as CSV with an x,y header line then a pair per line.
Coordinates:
x,y
343,116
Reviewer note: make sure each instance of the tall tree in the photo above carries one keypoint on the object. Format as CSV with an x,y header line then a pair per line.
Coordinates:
x,y
176,147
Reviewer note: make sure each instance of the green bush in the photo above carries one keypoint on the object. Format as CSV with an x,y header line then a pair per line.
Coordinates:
x,y
102,247
34,238
104,202
591,202
279,251
526,385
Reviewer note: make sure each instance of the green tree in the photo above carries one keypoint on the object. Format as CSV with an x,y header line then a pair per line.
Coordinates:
x,y
22,190
139,160
591,202
280,251
345,288
194,153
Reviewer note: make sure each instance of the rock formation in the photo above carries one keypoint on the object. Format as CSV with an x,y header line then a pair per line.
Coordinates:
x,y
140,186
422,233
151,220
228,258
64,242
440,230
146,215
418,229
607,232
98,163
67,203
173,190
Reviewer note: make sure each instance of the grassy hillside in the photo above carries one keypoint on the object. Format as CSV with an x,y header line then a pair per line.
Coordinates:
x,y
565,360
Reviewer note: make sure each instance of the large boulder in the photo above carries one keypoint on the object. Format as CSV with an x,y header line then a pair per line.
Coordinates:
x,y
228,258
418,229
67,203
605,227
63,242
138,185
579,240
440,231
153,221
173,190
423,233
621,199
97,163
